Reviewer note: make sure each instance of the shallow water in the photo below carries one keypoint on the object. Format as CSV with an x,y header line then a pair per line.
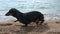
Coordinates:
x,y
50,8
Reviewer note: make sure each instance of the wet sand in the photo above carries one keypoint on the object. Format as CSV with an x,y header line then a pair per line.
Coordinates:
x,y
48,27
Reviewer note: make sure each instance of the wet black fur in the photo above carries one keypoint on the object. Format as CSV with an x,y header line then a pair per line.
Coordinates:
x,y
26,18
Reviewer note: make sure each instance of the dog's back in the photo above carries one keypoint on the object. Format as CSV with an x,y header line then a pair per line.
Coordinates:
x,y
33,16
26,18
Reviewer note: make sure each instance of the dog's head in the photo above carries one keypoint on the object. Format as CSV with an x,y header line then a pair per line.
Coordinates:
x,y
10,12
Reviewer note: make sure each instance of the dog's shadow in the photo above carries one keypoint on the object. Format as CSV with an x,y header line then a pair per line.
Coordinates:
x,y
29,29
41,28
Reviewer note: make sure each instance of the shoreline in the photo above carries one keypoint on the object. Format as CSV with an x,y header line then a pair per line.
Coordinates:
x,y
8,26
11,27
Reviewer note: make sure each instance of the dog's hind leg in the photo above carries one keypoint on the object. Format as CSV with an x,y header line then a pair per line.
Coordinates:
x,y
41,22
37,22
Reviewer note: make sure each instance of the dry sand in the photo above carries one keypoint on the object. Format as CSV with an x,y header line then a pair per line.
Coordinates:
x,y
49,27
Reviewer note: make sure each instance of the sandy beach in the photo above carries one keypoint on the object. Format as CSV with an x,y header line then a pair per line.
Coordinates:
x,y
49,8
48,27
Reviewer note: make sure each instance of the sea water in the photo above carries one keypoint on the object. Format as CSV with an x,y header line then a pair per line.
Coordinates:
x,y
50,8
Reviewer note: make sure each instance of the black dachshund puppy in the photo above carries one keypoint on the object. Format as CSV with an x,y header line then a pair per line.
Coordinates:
x,y
26,18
